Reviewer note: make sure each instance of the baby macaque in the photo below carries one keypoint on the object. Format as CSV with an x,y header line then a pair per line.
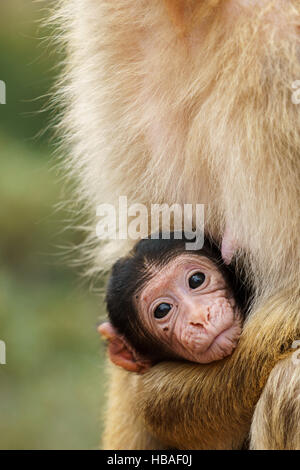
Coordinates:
x,y
166,303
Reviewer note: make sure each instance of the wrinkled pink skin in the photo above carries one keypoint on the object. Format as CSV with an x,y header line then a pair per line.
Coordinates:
x,y
204,324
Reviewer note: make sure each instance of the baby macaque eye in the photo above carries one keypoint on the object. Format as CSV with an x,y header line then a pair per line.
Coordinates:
x,y
162,310
196,280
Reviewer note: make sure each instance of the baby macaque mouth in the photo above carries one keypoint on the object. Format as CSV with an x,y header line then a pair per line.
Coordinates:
x,y
222,339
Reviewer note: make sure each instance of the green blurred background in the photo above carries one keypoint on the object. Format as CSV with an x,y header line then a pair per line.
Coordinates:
x,y
52,387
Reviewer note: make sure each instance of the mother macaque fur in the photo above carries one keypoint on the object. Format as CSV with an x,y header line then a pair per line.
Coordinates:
x,y
190,102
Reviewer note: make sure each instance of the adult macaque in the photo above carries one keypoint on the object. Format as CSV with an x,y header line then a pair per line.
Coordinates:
x,y
190,101
166,302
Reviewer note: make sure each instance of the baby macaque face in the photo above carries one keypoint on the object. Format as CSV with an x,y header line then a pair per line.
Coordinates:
x,y
189,308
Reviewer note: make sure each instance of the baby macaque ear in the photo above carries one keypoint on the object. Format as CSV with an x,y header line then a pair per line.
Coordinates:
x,y
121,353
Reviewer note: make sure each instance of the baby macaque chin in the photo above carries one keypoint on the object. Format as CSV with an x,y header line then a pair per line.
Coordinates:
x,y
212,346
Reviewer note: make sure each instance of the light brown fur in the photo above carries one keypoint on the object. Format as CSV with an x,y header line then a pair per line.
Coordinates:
x,y
277,415
190,101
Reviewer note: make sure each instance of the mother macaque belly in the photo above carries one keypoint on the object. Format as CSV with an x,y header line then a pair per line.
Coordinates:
x,y
215,105
179,72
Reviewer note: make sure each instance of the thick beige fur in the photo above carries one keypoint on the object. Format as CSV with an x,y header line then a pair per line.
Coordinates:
x,y
190,101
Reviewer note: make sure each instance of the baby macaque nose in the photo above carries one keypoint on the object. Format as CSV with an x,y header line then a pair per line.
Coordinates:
x,y
200,317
